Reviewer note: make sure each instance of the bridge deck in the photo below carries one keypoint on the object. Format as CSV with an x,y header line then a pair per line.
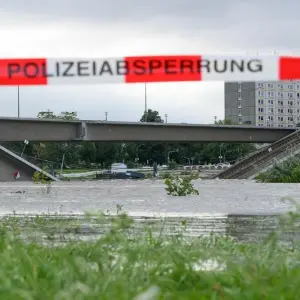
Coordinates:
x,y
19,129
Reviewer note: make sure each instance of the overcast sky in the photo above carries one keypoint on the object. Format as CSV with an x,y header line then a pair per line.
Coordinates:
x,y
98,28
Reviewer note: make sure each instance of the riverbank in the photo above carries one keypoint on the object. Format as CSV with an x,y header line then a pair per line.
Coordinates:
x,y
141,266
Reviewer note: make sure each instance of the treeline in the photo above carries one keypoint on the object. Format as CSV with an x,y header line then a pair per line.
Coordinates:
x,y
103,154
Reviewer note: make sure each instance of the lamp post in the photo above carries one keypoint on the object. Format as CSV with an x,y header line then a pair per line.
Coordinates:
x,y
166,118
106,116
171,151
25,144
137,152
220,156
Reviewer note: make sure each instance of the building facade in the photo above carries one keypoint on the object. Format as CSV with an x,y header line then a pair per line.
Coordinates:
x,y
275,104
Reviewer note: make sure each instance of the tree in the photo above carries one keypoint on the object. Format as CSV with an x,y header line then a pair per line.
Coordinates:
x,y
154,151
65,115
86,154
152,116
48,114
224,122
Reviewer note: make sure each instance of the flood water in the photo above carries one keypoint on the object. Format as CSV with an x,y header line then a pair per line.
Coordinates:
x,y
241,208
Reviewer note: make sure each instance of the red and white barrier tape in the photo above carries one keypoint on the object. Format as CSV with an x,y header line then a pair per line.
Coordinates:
x,y
139,69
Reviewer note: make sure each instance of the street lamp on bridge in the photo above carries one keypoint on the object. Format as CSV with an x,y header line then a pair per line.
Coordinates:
x,y
137,152
171,151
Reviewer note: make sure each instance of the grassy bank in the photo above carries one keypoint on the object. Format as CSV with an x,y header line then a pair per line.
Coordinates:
x,y
286,172
121,266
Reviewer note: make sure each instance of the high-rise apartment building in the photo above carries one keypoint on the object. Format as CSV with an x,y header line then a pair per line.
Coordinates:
x,y
263,103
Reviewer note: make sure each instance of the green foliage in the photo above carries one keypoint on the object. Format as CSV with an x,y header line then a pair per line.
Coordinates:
x,y
172,165
166,175
39,177
224,122
287,172
180,186
63,116
152,116
123,266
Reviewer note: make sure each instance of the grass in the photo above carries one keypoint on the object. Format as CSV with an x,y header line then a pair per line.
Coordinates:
x,y
285,172
143,266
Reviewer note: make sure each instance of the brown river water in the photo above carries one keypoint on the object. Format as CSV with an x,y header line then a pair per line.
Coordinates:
x,y
240,208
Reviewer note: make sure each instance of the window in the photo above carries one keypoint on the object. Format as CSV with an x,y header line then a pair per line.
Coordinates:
x,y
239,94
280,110
260,109
271,118
290,110
280,102
240,120
280,94
260,118
280,119
280,86
298,95
260,93
270,101
290,95
270,85
290,119
298,87
271,110
290,86
240,111
260,101
290,102
260,85
270,94
290,126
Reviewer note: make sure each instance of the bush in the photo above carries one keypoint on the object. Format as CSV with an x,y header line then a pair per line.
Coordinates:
x,y
166,175
172,165
39,177
286,172
180,186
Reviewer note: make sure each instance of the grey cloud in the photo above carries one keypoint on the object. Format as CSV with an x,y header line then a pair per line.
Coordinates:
x,y
243,24
91,102
198,11
259,25
118,10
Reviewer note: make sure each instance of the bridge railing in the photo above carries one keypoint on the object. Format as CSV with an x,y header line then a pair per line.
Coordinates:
x,y
277,153
272,159
236,170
